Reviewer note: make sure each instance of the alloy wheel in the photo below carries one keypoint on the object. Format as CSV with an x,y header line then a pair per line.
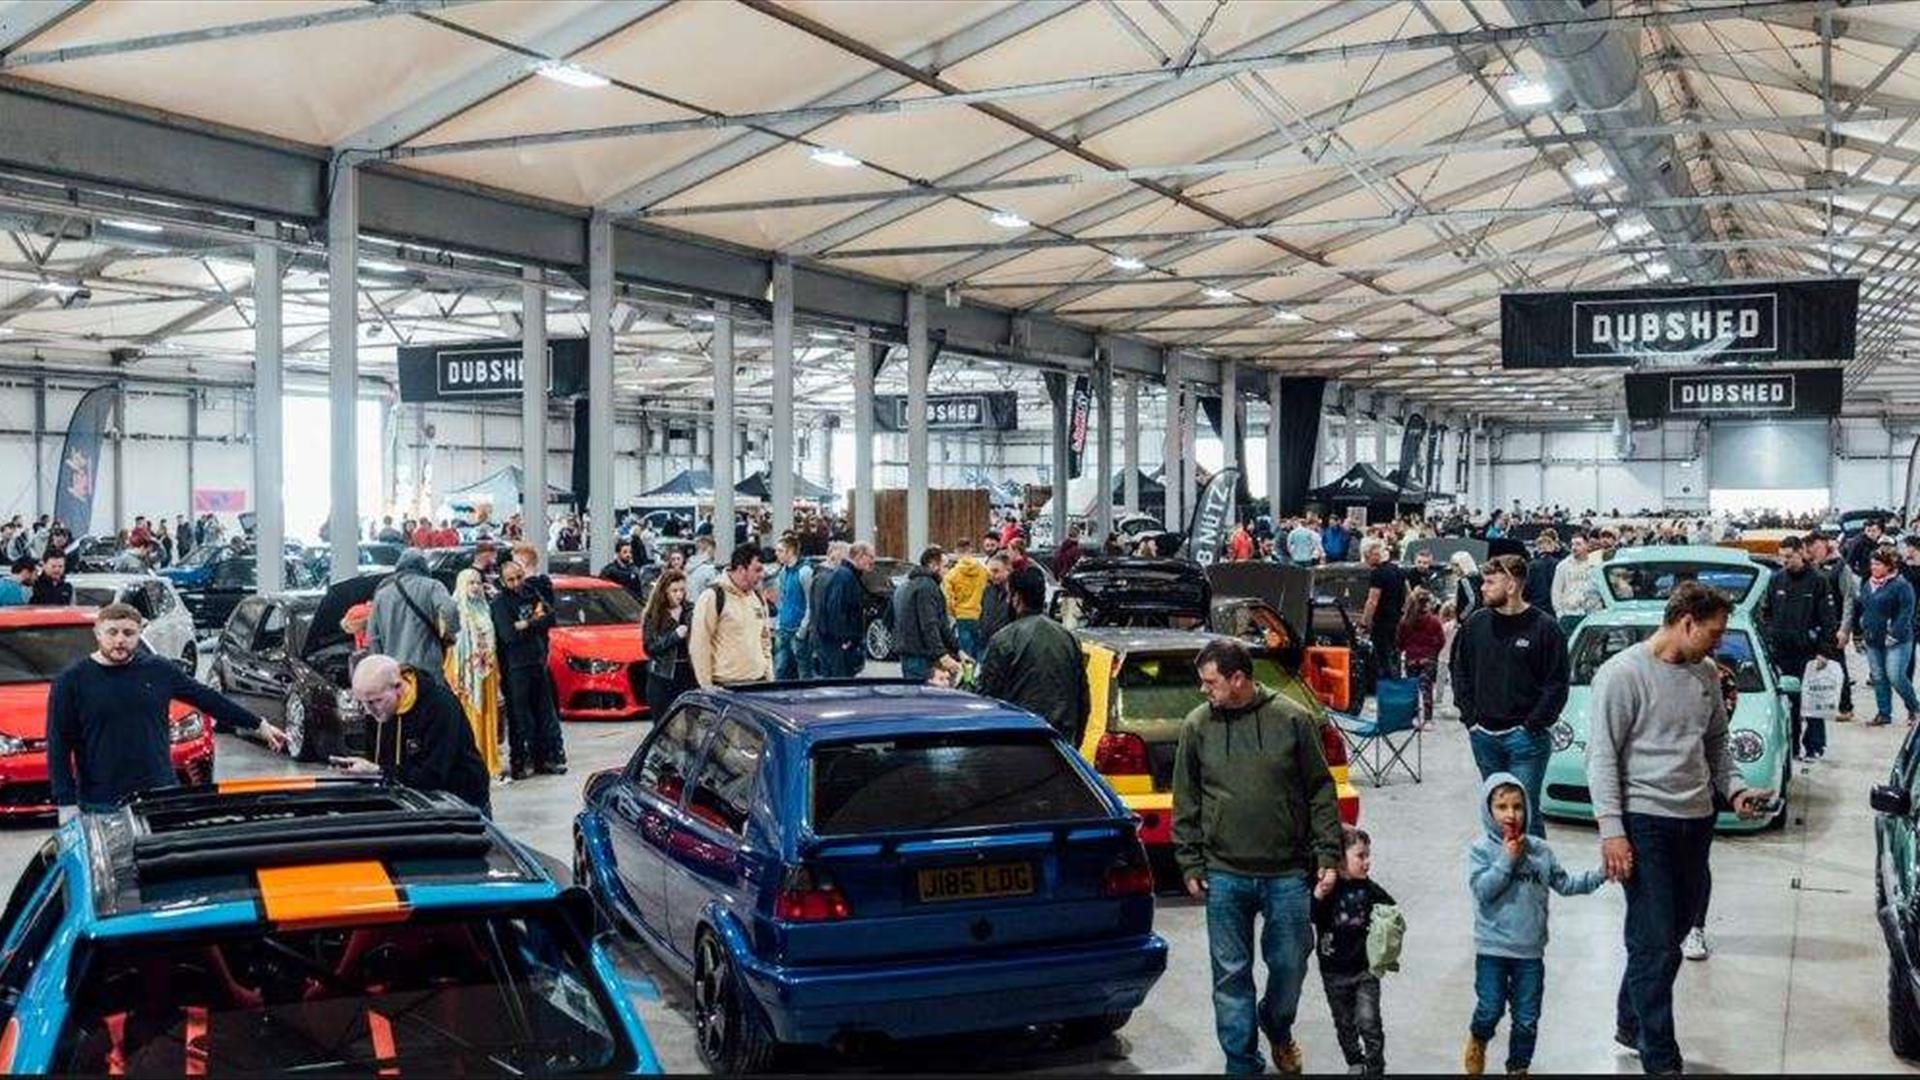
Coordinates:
x,y
711,990
296,725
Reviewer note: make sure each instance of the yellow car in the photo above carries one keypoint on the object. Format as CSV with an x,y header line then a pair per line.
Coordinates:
x,y
1142,684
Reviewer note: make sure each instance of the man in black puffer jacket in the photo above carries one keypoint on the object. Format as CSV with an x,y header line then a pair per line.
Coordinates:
x,y
923,635
1800,617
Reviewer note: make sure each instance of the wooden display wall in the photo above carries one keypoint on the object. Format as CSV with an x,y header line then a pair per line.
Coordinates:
x,y
951,515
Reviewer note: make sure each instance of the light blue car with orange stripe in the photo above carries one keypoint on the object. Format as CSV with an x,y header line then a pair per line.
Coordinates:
x,y
298,924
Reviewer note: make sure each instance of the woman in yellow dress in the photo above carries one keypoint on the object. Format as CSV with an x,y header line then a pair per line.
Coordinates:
x,y
473,667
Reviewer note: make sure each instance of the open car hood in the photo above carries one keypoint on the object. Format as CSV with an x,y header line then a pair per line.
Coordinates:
x,y
1287,589
1123,588
325,630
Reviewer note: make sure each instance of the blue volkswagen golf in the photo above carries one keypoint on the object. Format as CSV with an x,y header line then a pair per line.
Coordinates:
x,y
830,861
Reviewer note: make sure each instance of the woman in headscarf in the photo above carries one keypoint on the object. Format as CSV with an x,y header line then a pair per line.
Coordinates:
x,y
473,669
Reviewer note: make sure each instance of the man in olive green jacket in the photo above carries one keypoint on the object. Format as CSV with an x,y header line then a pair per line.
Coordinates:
x,y
1256,831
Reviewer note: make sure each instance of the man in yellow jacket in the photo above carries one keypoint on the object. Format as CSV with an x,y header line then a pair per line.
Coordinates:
x,y
964,584
731,640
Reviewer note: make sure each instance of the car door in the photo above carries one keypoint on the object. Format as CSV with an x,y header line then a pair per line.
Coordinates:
x,y
1898,844
640,809
709,857
245,673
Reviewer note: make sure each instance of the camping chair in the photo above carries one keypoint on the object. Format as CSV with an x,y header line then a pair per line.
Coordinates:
x,y
1380,744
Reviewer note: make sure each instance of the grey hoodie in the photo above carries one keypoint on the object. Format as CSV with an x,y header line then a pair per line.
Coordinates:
x,y
1509,898
396,629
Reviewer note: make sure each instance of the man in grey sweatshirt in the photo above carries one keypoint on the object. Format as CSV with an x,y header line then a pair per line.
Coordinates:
x,y
1656,755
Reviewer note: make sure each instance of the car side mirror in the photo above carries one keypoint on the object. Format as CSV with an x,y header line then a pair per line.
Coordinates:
x,y
578,906
1891,800
1789,684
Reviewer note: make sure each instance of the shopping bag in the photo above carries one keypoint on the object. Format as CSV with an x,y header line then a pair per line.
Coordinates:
x,y
1820,688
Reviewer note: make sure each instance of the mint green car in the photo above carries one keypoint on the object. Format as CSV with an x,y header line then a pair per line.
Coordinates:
x,y
1635,584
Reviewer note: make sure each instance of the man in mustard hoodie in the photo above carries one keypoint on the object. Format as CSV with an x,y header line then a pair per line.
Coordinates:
x,y
965,583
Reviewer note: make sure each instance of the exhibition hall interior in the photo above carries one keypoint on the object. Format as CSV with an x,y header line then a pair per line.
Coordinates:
x,y
959,536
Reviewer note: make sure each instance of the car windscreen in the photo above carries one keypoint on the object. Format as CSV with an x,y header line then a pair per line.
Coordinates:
x,y
93,595
595,607
379,555
498,994
1655,581
1161,686
946,781
30,654
1595,645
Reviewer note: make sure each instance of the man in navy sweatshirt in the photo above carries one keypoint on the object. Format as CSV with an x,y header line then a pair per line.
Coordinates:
x,y
107,731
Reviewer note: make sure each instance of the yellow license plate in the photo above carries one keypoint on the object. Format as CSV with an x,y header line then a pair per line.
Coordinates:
x,y
975,882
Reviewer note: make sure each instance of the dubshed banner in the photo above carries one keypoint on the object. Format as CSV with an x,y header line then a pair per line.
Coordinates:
x,y
487,369
1802,392
992,410
1781,321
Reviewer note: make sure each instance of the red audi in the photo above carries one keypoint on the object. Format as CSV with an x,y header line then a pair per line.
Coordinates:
x,y
595,651
37,643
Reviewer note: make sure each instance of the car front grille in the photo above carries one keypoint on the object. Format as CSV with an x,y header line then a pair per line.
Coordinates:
x,y
19,796
596,701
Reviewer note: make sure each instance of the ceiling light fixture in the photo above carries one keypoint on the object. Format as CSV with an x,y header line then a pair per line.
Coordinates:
x,y
58,288
570,75
703,316
1460,373
1389,347
132,226
1007,219
835,159
1127,263
1283,315
1524,91
1658,269
1629,231
1428,361
566,296
1215,292
1590,175
381,266
1344,334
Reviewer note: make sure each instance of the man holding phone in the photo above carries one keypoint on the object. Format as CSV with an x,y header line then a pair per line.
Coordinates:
x,y
421,737
1656,758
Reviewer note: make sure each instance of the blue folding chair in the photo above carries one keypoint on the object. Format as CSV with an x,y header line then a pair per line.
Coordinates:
x,y
1380,744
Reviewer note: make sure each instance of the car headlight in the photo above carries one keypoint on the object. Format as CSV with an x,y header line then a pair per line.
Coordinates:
x,y
189,728
10,745
1747,746
589,666
1562,735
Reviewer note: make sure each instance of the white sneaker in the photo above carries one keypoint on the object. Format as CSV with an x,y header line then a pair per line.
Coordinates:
x,y
1695,947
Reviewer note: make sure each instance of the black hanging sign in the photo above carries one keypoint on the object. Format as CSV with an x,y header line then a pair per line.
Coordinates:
x,y
487,369
1797,393
1789,320
994,410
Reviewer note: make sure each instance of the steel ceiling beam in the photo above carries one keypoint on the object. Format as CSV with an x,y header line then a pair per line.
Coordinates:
x,y
385,9
23,20
500,73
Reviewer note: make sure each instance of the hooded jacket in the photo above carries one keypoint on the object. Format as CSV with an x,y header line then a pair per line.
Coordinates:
x,y
920,624
1251,791
1509,898
412,615
964,585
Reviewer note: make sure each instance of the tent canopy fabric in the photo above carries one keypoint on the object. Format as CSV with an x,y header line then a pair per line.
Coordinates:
x,y
759,485
503,486
693,483
1364,484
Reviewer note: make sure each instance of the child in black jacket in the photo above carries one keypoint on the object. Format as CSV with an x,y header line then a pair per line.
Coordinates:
x,y
1341,921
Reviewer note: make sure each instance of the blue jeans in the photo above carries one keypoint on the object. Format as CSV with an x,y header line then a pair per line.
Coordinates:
x,y
1234,901
792,659
968,631
1501,983
1669,883
1888,665
1521,753
917,668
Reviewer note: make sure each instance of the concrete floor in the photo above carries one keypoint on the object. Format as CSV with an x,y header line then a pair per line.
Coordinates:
x,y
1797,981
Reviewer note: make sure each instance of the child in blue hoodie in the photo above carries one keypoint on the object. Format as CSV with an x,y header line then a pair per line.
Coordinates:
x,y
1510,873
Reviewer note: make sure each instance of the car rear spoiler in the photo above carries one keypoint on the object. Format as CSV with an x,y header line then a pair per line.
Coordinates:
x,y
887,843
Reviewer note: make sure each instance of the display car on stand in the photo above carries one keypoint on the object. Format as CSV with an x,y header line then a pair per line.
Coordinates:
x,y
595,652
36,644
213,580
838,861
285,656
1635,585
292,925
1896,891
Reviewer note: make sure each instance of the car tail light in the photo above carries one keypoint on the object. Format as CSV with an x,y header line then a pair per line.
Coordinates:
x,y
1120,754
809,896
1333,745
1131,875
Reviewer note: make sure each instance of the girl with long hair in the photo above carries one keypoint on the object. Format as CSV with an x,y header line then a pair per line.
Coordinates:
x,y
665,624
473,667
1422,638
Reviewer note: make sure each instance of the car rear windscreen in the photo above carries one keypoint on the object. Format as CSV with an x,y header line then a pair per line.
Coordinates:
x,y
1656,580
1164,686
947,781
37,653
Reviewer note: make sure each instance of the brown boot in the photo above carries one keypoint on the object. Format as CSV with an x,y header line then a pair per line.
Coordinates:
x,y
1286,1059
1474,1061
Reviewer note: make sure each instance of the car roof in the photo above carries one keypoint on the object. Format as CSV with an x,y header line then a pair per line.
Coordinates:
x,y
581,581
1124,639
1651,614
1681,553
114,579
221,850
835,708
45,615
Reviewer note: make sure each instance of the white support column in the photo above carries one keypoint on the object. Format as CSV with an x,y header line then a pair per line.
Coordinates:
x,y
864,355
1230,415
1103,450
919,368
269,422
1172,446
725,434
600,387
1381,461
1130,446
343,368
780,457
1274,462
534,378
1350,424
1472,499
